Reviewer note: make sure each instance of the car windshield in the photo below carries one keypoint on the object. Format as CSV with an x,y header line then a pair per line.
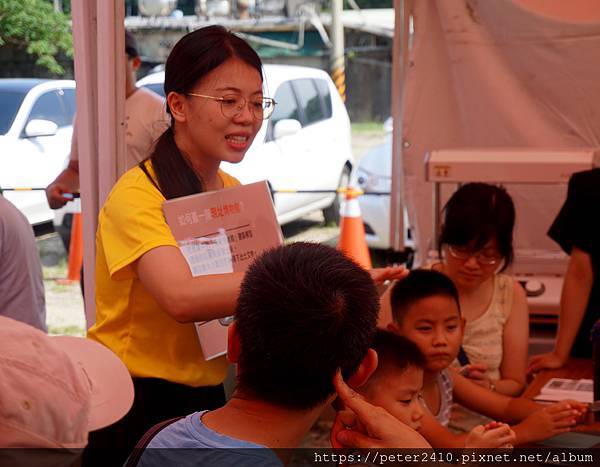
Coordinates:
x,y
10,101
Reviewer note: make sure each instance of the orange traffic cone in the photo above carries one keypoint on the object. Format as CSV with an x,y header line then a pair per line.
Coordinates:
x,y
352,231
75,249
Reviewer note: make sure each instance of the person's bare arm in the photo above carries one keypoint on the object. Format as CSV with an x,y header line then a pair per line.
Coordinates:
x,y
438,435
537,421
492,404
66,182
573,301
166,275
515,343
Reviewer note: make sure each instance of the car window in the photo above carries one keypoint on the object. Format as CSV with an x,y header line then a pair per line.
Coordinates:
x,y
49,107
323,89
68,96
286,106
10,101
309,100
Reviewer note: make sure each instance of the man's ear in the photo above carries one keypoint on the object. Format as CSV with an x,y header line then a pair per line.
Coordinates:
x,y
463,323
233,343
136,63
365,369
177,103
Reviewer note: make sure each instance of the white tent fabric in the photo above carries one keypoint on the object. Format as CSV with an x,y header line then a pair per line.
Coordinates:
x,y
499,74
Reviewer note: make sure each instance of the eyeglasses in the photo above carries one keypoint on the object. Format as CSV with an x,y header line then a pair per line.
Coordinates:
x,y
232,105
485,258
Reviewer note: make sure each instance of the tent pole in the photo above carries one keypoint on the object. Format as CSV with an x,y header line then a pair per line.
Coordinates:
x,y
399,62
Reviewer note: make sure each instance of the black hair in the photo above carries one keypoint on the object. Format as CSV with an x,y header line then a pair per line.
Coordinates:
x,y
130,45
191,59
304,310
396,351
477,213
418,285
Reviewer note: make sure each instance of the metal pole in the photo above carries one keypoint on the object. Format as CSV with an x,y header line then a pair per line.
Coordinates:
x,y
338,67
437,200
399,62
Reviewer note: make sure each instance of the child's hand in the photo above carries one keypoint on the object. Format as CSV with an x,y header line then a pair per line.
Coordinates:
x,y
552,420
581,407
492,435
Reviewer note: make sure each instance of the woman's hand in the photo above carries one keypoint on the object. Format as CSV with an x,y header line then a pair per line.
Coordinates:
x,y
390,273
477,373
362,425
545,361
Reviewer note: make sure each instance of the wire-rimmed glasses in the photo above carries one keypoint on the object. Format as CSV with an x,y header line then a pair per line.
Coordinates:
x,y
483,257
232,105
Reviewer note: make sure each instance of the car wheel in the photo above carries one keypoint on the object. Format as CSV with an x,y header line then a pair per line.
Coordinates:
x,y
332,212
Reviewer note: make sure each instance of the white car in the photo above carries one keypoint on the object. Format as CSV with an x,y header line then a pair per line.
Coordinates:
x,y
374,173
305,145
36,118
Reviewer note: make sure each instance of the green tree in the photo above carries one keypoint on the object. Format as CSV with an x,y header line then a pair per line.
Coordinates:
x,y
34,26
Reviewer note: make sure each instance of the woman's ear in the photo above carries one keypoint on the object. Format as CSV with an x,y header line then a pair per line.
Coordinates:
x,y
177,105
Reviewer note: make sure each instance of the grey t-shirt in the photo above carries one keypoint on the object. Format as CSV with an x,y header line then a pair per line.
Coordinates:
x,y
189,442
21,284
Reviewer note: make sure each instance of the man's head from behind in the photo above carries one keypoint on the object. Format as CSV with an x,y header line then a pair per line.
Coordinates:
x,y
304,311
397,382
133,61
426,310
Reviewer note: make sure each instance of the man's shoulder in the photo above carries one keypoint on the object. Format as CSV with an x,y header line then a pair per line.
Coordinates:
x,y
146,96
10,214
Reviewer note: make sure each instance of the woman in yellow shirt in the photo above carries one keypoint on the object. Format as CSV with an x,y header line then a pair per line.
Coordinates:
x,y
146,297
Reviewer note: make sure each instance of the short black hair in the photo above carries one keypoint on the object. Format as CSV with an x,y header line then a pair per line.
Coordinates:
x,y
394,350
304,310
130,45
420,284
476,213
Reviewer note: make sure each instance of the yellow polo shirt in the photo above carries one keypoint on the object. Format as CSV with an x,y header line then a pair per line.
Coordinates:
x,y
128,319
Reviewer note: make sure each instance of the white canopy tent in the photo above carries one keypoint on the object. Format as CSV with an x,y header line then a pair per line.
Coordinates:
x,y
493,74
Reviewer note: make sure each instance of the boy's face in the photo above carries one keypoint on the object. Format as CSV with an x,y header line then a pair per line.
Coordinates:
x,y
398,392
435,326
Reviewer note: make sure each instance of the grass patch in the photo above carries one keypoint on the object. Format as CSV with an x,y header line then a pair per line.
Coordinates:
x,y
58,271
367,127
67,330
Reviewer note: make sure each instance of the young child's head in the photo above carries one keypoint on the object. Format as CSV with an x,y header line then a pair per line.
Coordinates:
x,y
397,382
426,311
477,232
304,310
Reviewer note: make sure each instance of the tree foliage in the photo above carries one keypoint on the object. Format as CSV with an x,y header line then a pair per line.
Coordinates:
x,y
34,26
